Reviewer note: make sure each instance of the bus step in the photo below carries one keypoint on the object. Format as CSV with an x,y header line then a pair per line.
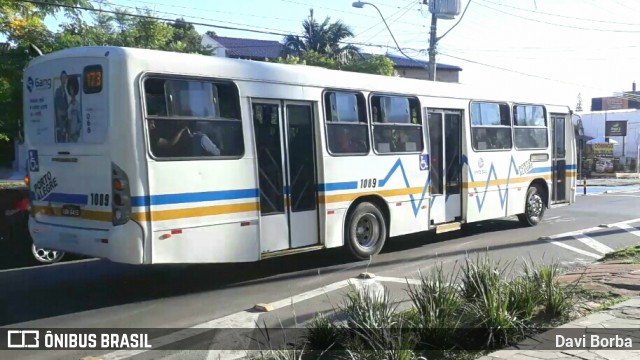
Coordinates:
x,y
267,255
442,228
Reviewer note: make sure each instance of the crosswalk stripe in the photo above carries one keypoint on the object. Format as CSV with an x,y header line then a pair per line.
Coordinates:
x,y
574,249
629,228
593,243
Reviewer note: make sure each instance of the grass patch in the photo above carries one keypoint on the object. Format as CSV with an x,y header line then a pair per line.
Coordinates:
x,y
630,254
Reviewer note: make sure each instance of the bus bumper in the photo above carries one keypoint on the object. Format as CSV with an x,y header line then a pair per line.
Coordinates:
x,y
106,244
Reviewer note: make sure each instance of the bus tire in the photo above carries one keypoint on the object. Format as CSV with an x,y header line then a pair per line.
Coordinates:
x,y
534,207
365,231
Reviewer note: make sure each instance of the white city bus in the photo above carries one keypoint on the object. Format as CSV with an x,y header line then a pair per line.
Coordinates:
x,y
148,157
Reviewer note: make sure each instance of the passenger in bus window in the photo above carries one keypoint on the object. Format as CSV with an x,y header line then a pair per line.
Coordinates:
x,y
163,140
202,145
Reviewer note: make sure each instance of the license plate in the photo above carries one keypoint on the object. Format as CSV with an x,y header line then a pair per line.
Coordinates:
x,y
71,210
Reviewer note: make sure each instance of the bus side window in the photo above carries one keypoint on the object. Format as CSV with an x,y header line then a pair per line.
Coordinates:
x,y
193,118
397,125
346,123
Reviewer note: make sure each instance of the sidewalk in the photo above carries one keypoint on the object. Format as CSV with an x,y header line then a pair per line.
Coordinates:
x,y
622,319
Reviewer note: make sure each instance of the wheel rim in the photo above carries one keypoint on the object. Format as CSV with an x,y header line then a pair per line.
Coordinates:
x,y
534,207
46,255
367,231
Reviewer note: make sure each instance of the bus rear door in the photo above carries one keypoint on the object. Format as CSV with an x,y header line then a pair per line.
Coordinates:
x,y
285,154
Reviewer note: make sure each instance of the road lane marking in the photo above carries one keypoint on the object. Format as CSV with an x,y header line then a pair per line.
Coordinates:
x,y
593,243
629,228
574,249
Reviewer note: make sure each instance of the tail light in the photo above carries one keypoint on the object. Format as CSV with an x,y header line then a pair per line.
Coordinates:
x,y
23,204
121,195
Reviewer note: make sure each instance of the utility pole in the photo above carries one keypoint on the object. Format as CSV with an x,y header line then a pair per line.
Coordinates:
x,y
432,48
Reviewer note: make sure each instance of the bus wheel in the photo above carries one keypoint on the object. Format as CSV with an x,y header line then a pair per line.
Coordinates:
x,y
46,256
534,208
366,231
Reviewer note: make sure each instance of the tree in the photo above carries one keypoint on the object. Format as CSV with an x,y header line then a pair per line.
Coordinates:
x,y
321,45
323,38
186,39
23,24
376,64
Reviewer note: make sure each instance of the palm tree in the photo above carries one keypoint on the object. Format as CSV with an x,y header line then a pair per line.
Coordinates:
x,y
323,38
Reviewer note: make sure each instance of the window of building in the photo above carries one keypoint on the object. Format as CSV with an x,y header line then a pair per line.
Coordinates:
x,y
193,118
490,126
530,127
346,120
397,125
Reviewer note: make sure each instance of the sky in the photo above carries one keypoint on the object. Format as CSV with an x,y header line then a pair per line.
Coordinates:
x,y
557,49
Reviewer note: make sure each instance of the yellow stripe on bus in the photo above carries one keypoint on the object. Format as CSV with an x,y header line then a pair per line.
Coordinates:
x,y
159,215
156,215
351,196
495,182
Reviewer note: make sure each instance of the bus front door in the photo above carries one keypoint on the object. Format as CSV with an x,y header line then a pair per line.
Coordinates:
x,y
444,128
285,155
558,159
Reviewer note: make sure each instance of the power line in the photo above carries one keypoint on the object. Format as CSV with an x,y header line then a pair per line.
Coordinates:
x,y
181,15
556,24
380,23
562,16
198,9
149,17
518,72
191,22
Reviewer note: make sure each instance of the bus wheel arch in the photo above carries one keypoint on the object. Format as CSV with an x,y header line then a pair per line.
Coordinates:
x,y
536,201
366,226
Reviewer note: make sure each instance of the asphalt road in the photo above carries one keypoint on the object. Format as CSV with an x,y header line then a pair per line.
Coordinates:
x,y
100,294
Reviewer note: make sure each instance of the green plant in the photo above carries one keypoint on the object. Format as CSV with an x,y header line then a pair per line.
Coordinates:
x,y
490,306
557,300
376,330
322,334
438,308
481,275
525,296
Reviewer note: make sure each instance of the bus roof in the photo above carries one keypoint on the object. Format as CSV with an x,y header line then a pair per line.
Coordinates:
x,y
302,75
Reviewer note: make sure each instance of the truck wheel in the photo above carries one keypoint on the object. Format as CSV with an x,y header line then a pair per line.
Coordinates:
x,y
365,231
534,208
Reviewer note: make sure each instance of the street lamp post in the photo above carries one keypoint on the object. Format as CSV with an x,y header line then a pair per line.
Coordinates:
x,y
433,39
361,4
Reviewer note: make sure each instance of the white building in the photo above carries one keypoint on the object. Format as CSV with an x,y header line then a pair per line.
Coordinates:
x,y
594,125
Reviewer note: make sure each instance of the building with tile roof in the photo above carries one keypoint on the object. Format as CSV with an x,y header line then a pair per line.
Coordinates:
x,y
261,50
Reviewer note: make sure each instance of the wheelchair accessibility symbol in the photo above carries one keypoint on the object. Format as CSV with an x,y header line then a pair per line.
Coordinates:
x,y
33,161
424,162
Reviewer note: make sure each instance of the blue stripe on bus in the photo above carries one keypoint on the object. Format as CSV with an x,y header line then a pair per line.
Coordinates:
x,y
548,168
80,199
166,199
540,170
346,185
